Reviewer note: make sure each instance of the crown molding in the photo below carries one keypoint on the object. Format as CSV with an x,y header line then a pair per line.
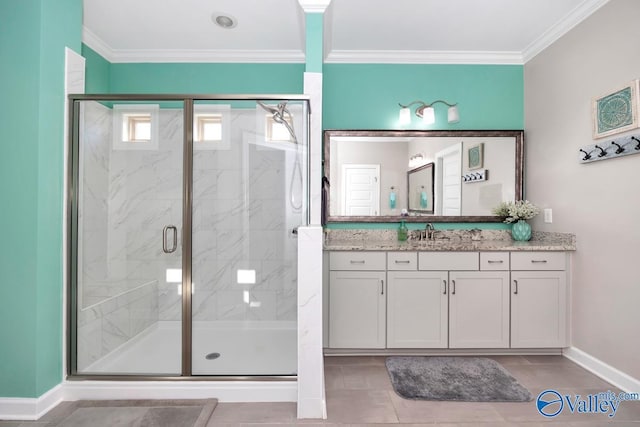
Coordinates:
x,y
422,57
189,55
208,55
573,18
97,44
314,6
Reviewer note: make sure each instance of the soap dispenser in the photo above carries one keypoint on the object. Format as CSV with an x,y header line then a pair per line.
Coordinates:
x,y
403,231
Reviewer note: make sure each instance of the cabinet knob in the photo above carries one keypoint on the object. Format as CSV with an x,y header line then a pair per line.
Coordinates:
x,y
515,292
453,290
444,287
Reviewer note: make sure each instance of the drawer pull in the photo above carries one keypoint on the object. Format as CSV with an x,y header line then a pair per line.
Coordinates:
x,y
357,262
515,292
381,287
444,291
453,291
491,261
539,261
402,262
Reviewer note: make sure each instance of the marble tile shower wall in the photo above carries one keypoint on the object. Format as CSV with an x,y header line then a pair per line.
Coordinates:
x,y
242,220
120,265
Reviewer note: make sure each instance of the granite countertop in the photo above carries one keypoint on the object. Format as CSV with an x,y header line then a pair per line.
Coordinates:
x,y
446,240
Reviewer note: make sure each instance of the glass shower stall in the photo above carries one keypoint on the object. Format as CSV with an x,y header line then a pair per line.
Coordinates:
x,y
183,215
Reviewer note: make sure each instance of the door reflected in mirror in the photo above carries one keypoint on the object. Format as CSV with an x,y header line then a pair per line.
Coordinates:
x,y
376,175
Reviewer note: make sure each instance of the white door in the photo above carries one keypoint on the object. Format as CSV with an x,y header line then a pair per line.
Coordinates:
x,y
479,309
448,181
357,309
360,190
417,309
538,309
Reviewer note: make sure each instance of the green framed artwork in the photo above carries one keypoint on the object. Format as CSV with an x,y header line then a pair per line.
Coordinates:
x,y
616,111
475,156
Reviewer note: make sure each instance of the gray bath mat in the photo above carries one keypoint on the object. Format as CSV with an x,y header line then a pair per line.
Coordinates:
x,y
465,379
134,413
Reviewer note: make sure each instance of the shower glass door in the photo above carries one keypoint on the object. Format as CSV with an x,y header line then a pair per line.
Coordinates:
x,y
126,226
249,197
183,221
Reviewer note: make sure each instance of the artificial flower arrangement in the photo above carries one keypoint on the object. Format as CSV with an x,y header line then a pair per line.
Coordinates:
x,y
516,211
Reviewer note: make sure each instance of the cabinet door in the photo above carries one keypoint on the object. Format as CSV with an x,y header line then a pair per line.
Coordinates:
x,y
357,309
417,309
538,309
479,309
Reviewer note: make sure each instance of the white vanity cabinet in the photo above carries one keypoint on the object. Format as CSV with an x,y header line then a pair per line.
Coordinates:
x,y
417,309
447,299
357,299
478,300
538,299
479,309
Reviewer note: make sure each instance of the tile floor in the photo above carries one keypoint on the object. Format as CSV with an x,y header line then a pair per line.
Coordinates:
x,y
359,393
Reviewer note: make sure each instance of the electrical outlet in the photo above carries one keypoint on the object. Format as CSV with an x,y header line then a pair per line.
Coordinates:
x,y
548,215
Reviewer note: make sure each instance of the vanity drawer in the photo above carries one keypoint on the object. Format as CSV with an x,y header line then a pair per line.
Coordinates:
x,y
402,261
460,261
494,261
538,261
358,260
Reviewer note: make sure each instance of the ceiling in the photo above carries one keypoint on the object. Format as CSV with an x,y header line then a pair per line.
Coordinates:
x,y
379,31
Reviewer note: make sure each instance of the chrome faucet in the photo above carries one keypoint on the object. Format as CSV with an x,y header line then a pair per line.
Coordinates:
x,y
430,231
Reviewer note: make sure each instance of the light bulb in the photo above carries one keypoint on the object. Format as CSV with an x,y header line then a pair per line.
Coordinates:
x,y
428,116
405,116
453,116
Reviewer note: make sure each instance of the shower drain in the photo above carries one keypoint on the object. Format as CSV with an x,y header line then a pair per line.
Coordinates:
x,y
212,356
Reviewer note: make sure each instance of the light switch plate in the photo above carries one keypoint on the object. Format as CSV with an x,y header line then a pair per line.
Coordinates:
x,y
548,215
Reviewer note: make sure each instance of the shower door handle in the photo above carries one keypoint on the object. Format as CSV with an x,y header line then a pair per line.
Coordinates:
x,y
165,234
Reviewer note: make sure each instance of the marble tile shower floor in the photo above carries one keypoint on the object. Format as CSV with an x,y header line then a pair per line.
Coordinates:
x,y
359,394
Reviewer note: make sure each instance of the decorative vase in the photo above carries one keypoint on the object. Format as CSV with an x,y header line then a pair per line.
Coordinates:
x,y
521,231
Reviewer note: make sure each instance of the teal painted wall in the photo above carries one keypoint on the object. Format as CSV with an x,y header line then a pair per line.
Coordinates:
x,y
366,96
19,85
97,71
314,42
207,78
31,180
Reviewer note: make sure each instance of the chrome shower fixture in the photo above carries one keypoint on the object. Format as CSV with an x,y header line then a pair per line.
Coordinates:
x,y
278,113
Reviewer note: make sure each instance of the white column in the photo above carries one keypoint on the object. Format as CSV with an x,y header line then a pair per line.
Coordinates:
x,y
311,396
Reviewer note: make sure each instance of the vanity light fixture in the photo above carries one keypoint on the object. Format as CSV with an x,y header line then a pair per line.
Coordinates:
x,y
427,112
416,160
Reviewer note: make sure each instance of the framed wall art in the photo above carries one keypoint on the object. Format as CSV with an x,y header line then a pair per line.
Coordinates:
x,y
475,156
616,111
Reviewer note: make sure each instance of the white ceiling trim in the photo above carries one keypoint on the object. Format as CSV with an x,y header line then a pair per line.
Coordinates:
x,y
189,55
422,57
97,44
314,6
208,55
576,16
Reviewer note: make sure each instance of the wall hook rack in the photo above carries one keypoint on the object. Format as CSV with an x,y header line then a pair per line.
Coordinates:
x,y
476,176
587,156
618,147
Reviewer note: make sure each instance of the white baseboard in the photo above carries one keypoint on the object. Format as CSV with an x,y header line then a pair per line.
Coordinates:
x,y
225,391
30,408
603,370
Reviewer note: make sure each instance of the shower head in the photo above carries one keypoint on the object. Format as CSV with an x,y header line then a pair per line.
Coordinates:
x,y
270,109
277,113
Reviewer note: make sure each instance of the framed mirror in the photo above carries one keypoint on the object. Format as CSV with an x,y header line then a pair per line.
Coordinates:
x,y
420,189
370,174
